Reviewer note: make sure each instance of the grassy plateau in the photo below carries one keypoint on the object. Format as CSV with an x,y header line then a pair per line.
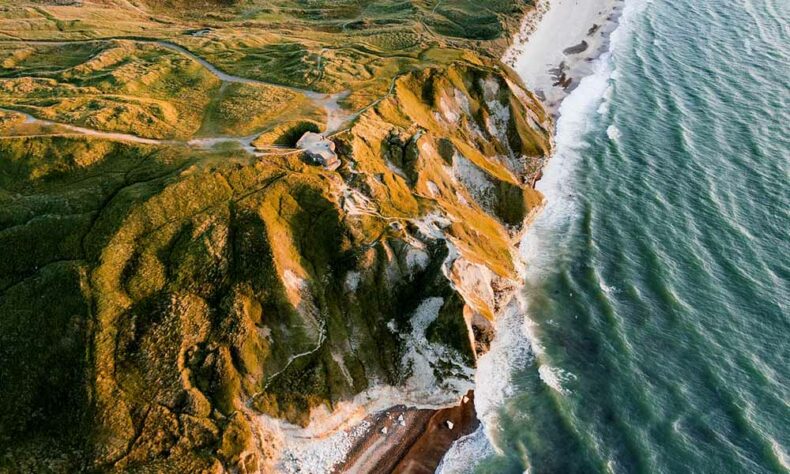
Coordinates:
x,y
174,268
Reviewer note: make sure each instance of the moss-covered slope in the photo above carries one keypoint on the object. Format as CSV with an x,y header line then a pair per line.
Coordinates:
x,y
156,300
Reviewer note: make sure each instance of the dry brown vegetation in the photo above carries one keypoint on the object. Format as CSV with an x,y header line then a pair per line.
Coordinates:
x,y
156,298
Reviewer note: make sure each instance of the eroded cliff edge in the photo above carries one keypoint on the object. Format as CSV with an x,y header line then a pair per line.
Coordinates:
x,y
158,303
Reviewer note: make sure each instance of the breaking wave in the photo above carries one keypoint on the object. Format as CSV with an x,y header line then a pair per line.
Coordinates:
x,y
516,345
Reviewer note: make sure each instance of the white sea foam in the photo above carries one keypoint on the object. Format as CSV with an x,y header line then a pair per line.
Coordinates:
x,y
780,454
579,112
540,246
512,347
613,133
516,344
473,446
556,378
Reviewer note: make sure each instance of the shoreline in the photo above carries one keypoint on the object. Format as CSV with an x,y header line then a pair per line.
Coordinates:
x,y
554,51
410,437
403,439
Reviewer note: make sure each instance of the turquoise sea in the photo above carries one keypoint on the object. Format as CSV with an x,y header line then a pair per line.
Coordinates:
x,y
656,333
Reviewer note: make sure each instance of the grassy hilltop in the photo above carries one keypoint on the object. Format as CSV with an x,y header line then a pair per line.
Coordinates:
x,y
156,296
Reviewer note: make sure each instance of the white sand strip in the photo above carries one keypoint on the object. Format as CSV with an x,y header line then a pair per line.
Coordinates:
x,y
553,55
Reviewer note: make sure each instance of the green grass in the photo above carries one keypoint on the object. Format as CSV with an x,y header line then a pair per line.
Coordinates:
x,y
155,298
141,89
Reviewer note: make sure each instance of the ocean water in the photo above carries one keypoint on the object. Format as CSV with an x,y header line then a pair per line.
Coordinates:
x,y
654,332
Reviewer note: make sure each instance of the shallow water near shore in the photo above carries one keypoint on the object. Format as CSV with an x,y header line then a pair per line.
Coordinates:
x,y
656,307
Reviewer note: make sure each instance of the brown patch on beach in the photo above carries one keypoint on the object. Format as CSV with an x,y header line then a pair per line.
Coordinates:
x,y
410,440
579,48
561,79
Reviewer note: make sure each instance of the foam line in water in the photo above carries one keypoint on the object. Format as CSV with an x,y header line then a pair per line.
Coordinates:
x,y
516,344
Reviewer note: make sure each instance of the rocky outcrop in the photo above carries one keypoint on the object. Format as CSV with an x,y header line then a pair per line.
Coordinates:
x,y
206,295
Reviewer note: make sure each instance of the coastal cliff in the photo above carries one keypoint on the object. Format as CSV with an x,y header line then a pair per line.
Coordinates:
x,y
173,307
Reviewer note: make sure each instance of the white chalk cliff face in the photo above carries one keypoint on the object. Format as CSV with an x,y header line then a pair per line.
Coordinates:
x,y
447,176
239,302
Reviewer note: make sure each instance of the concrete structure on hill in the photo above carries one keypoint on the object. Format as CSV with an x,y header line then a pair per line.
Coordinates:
x,y
319,150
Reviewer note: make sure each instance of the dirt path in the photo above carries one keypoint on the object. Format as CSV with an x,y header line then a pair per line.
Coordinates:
x,y
202,143
336,116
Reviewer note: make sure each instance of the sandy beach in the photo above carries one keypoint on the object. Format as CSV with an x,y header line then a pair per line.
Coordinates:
x,y
552,53
556,47
410,440
405,437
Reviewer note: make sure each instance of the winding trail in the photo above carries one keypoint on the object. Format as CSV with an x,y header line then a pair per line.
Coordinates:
x,y
202,143
318,344
86,131
330,103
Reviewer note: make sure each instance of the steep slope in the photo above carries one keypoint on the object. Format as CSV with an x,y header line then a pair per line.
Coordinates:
x,y
167,305
210,290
